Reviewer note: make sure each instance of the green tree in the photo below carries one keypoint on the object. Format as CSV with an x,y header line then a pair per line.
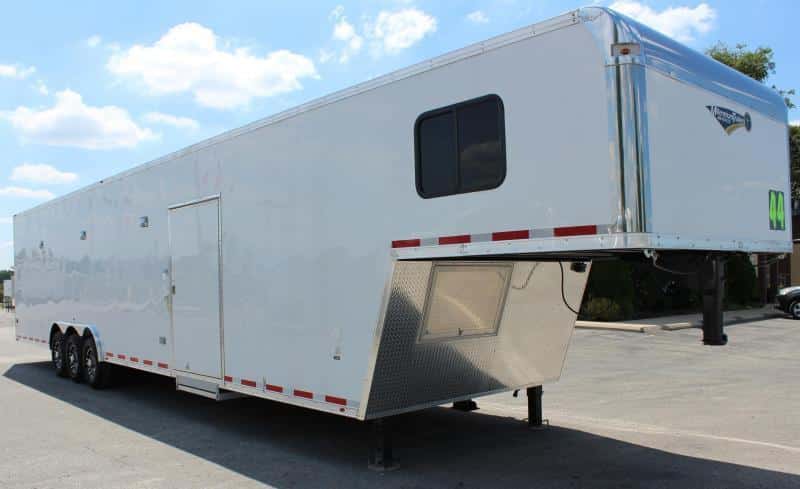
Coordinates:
x,y
756,63
794,149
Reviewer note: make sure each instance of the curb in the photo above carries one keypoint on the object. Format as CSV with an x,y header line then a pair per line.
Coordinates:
x,y
731,318
630,327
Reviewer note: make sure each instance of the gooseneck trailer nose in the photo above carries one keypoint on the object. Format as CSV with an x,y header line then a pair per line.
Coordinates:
x,y
421,238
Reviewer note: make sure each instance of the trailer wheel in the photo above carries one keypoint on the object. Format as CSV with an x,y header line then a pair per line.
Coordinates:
x,y
58,353
73,357
794,309
97,374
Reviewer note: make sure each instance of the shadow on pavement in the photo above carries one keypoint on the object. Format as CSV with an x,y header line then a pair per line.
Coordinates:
x,y
286,446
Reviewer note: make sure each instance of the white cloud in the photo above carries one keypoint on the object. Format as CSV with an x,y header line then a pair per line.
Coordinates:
x,y
188,58
16,71
477,17
70,122
170,120
794,123
683,23
326,55
336,13
44,174
41,87
344,33
26,193
6,220
94,41
398,30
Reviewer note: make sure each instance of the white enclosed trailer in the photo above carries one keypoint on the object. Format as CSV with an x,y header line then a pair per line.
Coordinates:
x,y
420,238
8,291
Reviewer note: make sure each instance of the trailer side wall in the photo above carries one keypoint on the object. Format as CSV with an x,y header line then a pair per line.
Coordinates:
x,y
309,207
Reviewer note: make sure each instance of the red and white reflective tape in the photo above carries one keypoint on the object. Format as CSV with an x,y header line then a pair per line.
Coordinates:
x,y
31,339
559,232
253,384
298,393
137,360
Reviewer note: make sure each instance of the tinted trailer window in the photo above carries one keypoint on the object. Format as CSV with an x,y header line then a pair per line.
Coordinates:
x,y
461,148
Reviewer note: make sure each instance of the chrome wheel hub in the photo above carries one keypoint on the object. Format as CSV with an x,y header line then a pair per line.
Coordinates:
x,y
56,351
89,364
72,358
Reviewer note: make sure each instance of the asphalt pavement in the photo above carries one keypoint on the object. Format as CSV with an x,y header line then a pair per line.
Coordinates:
x,y
631,410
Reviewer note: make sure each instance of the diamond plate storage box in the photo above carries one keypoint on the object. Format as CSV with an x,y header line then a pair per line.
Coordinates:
x,y
525,347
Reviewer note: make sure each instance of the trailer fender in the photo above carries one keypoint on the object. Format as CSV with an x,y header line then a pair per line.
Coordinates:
x,y
84,330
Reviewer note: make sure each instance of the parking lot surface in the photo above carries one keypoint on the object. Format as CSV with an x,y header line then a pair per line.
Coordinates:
x,y
632,410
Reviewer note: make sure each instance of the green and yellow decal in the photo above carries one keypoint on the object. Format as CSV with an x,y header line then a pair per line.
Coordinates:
x,y
777,213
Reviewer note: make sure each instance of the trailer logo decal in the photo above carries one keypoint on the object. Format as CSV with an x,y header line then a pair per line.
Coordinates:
x,y
730,120
777,214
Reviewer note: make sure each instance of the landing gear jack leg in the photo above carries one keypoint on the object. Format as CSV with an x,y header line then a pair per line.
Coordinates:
x,y
713,285
466,406
535,408
381,458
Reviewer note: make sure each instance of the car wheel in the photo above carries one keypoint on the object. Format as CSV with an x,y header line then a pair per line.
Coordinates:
x,y
57,353
73,357
794,309
97,374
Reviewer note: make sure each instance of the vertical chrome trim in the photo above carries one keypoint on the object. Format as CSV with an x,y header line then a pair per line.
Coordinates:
x,y
639,81
627,117
616,141
634,154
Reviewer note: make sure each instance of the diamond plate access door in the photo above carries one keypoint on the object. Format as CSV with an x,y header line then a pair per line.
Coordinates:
x,y
438,346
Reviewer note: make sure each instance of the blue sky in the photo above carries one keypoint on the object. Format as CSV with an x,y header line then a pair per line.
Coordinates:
x,y
91,88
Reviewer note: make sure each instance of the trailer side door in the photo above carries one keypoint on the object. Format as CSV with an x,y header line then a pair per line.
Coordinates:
x,y
196,323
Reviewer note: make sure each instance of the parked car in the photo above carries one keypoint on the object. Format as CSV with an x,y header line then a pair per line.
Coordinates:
x,y
789,301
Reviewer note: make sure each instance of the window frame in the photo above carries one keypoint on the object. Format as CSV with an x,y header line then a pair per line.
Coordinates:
x,y
445,335
454,108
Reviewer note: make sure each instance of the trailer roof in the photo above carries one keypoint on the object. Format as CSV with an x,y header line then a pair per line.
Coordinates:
x,y
658,51
683,63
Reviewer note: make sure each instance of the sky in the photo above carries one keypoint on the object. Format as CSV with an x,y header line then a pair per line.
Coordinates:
x,y
89,89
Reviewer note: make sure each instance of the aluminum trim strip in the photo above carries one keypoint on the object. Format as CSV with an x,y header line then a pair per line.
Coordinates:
x,y
599,243
201,200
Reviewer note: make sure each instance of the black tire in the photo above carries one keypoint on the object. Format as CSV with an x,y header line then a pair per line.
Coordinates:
x,y
58,353
73,357
794,309
95,373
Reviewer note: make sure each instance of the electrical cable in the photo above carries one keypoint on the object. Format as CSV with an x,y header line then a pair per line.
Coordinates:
x,y
668,270
563,296
654,257
771,262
